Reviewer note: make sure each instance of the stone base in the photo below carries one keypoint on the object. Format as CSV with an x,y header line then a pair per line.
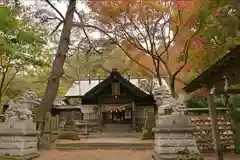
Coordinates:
x,y
156,156
26,157
18,152
173,134
18,125
18,142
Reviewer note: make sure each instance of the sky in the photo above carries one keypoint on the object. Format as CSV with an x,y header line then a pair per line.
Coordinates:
x,y
62,5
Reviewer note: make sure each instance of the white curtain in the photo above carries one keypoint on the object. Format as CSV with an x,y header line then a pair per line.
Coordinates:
x,y
88,108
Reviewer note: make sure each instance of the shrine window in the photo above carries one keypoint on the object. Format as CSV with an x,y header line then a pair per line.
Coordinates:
x,y
115,88
128,114
90,116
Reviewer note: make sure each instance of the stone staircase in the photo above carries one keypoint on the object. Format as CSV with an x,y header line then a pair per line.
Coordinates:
x,y
117,128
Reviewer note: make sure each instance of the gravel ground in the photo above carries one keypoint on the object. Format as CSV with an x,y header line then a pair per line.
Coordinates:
x,y
109,155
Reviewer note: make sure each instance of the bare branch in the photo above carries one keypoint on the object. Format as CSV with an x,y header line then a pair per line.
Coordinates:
x,y
186,50
113,40
139,31
56,28
133,41
55,9
166,46
86,35
10,80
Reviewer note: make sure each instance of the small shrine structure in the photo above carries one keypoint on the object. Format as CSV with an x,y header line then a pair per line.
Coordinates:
x,y
220,76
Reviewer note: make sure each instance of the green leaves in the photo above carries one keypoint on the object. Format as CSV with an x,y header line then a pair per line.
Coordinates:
x,y
180,58
21,50
220,32
7,20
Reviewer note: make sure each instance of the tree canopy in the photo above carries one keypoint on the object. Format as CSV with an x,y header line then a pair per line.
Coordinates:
x,y
173,39
21,51
178,38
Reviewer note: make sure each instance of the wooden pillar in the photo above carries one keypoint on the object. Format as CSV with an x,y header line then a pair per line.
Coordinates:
x,y
133,116
215,130
155,108
100,117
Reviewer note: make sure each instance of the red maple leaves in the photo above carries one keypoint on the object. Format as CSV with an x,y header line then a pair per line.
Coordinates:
x,y
197,43
186,67
181,4
217,12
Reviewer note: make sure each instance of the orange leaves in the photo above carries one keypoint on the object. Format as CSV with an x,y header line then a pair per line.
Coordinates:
x,y
186,5
181,4
134,9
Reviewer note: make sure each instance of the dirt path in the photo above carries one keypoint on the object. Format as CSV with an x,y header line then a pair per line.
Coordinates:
x,y
110,155
95,155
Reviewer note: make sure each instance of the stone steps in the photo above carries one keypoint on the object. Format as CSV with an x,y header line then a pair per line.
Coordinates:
x,y
113,135
117,128
133,146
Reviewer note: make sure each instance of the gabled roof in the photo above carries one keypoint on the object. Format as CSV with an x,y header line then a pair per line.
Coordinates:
x,y
115,75
228,66
80,88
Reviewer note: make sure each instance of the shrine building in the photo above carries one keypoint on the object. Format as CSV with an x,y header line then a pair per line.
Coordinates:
x,y
113,104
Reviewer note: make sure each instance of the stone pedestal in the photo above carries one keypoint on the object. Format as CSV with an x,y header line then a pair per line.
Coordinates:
x,y
18,138
18,135
173,134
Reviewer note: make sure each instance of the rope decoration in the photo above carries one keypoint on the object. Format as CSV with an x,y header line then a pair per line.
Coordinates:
x,y
112,108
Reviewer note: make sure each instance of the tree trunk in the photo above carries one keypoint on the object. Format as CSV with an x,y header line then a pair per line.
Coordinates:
x,y
2,83
172,86
58,63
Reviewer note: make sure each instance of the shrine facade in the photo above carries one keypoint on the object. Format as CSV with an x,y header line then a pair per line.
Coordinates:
x,y
113,104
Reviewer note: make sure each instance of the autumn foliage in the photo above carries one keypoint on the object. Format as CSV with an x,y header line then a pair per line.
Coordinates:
x,y
164,36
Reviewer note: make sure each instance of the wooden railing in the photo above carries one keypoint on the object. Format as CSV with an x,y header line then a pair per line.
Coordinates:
x,y
51,129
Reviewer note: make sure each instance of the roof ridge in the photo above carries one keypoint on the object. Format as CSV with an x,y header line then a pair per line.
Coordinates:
x,y
87,79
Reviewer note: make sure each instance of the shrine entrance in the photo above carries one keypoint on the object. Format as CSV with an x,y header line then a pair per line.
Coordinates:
x,y
121,104
117,118
117,114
